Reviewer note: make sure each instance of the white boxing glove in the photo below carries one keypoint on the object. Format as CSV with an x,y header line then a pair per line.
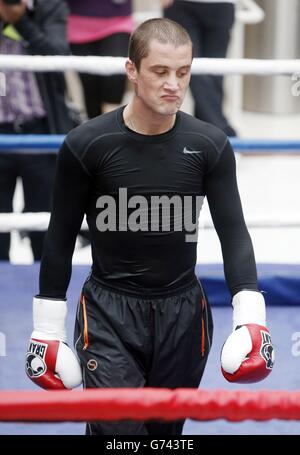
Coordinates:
x,y
50,363
248,354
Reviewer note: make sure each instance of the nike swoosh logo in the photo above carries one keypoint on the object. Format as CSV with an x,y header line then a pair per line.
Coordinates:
x,y
185,150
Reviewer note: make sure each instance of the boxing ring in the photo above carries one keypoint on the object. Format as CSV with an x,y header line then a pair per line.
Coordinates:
x,y
19,282
270,407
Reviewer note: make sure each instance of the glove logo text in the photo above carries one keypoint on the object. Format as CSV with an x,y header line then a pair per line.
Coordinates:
x,y
266,350
35,364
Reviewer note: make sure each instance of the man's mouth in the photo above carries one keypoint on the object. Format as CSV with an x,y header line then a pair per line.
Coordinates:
x,y
170,97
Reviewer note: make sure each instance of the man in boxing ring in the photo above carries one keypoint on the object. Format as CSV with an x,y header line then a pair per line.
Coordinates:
x,y
143,318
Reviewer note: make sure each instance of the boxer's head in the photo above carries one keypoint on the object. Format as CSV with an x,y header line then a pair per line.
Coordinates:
x,y
159,64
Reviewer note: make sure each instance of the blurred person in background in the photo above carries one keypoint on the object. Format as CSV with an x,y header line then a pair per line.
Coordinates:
x,y
100,28
34,103
209,23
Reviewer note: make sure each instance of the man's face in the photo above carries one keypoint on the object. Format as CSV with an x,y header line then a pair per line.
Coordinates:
x,y
163,77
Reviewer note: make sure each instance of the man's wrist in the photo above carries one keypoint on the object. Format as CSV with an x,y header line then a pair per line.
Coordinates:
x,y
248,308
47,297
49,318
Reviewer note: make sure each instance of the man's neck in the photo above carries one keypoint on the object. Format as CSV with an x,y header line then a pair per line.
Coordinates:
x,y
142,120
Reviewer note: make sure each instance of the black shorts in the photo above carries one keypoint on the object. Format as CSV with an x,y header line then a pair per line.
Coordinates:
x,y
125,340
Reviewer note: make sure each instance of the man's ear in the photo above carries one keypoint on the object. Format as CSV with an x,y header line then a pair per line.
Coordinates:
x,y
131,71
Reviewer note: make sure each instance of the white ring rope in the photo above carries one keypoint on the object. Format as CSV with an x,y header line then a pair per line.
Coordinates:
x,y
39,221
115,65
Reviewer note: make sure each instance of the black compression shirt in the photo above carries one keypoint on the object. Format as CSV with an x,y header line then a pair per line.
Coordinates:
x,y
103,156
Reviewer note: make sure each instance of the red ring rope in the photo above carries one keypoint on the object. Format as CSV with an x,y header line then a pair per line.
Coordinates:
x,y
146,403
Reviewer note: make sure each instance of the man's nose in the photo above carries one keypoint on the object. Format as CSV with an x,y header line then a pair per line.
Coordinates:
x,y
171,83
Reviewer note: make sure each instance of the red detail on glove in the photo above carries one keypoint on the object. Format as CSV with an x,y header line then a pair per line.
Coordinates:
x,y
41,362
259,362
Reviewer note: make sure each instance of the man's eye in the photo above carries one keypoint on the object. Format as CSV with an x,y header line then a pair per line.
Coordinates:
x,y
160,73
182,74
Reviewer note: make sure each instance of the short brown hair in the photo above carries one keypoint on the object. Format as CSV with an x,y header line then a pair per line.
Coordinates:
x,y
161,29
